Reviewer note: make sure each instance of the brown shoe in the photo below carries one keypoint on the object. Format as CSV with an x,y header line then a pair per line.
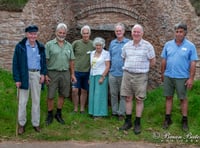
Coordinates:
x,y
37,129
120,117
21,130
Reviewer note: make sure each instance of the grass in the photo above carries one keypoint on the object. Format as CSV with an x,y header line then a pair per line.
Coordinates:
x,y
83,128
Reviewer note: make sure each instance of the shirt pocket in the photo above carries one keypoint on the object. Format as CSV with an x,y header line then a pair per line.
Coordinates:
x,y
67,54
38,58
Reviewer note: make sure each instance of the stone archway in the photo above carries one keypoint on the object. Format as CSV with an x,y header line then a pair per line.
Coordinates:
x,y
107,8
101,18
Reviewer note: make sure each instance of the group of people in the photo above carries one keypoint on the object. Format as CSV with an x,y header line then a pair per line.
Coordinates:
x,y
92,71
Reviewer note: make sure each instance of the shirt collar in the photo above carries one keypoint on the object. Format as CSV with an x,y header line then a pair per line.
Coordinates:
x,y
55,41
122,41
141,41
28,44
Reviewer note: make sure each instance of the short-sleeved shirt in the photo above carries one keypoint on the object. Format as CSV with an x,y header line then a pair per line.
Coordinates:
x,y
137,57
82,52
98,65
115,50
178,58
58,57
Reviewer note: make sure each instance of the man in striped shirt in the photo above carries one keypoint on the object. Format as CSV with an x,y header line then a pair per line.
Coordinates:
x,y
139,56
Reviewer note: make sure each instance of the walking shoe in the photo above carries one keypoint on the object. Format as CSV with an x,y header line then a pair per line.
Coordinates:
x,y
126,126
82,112
59,119
167,123
37,129
114,115
185,126
120,117
21,130
137,129
49,119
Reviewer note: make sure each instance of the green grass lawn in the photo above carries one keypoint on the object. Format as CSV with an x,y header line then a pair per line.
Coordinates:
x,y
83,128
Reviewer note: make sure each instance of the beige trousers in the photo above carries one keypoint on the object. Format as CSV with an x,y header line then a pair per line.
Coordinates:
x,y
35,89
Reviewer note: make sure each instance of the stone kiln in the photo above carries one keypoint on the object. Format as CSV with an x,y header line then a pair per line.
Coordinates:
x,y
157,16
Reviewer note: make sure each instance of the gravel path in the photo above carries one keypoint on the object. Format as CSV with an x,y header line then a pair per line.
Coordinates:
x,y
75,144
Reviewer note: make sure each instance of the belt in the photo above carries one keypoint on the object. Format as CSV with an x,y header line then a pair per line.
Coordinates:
x,y
134,72
58,70
33,70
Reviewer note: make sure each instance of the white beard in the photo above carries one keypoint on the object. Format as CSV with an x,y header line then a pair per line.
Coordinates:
x,y
60,38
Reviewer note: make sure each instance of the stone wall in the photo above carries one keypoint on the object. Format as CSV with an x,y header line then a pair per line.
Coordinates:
x,y
157,16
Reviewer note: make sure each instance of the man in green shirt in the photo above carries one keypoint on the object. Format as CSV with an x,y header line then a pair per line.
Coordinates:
x,y
60,59
82,49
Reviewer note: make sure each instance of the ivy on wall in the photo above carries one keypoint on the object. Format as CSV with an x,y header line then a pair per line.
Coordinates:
x,y
12,5
196,5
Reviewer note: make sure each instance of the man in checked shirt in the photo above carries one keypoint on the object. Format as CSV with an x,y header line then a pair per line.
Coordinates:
x,y
139,56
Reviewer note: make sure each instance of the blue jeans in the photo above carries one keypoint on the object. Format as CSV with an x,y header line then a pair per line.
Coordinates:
x,y
117,101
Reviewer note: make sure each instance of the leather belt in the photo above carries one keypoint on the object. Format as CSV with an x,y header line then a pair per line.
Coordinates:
x,y
58,70
33,70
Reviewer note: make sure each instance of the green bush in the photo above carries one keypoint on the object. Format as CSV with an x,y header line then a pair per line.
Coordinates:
x,y
196,5
12,5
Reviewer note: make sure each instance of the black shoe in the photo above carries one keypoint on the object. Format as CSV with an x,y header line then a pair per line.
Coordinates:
x,y
126,126
137,129
59,119
167,123
49,119
185,126
82,112
114,115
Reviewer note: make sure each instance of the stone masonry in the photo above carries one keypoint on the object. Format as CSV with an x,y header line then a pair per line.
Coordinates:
x,y
157,16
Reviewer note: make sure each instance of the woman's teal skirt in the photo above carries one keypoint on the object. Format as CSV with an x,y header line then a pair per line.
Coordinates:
x,y
98,96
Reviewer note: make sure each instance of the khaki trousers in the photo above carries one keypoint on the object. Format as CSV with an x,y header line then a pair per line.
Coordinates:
x,y
35,89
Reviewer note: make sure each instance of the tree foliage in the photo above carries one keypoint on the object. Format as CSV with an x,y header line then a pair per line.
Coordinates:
x,y
196,5
12,5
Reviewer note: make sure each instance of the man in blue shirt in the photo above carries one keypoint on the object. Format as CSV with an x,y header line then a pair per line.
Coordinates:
x,y
115,75
29,70
178,65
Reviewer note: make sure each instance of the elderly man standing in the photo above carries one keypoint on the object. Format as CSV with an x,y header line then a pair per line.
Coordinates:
x,y
139,56
29,69
116,72
82,49
178,66
60,65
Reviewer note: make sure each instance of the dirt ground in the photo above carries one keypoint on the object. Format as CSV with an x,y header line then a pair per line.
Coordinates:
x,y
75,144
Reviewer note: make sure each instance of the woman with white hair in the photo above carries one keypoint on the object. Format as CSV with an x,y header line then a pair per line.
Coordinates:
x,y
98,88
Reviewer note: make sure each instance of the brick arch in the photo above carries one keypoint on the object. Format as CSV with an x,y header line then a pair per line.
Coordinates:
x,y
106,8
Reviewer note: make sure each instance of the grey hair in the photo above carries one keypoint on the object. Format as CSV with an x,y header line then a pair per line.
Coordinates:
x,y
86,27
121,25
137,25
99,40
181,25
61,26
